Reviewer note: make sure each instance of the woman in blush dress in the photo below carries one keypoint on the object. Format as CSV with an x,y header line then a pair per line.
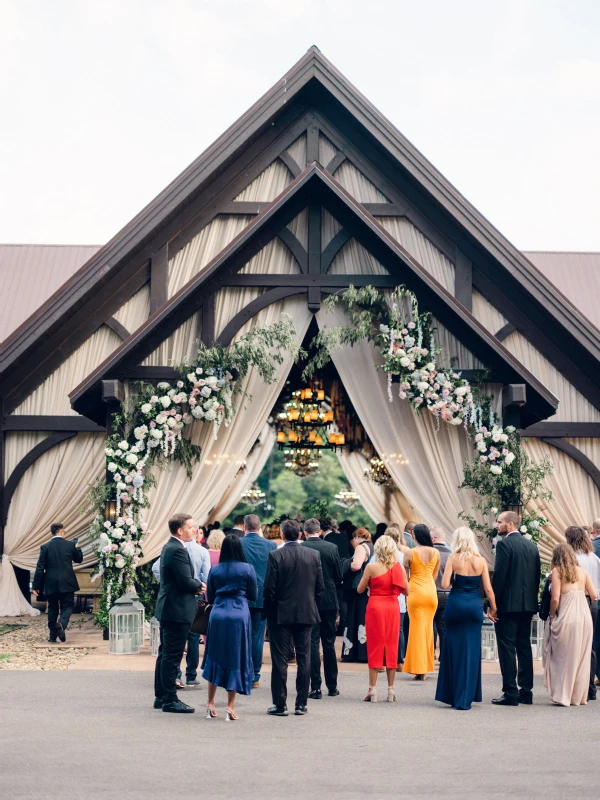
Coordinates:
x,y
386,580
215,542
423,563
459,679
228,654
568,631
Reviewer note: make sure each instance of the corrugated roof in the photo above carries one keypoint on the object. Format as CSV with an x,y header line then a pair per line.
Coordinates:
x,y
31,273
576,275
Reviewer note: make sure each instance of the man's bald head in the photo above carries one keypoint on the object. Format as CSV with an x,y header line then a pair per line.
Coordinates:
x,y
438,536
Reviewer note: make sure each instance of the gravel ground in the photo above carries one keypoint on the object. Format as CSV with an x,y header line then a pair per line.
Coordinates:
x,y
17,649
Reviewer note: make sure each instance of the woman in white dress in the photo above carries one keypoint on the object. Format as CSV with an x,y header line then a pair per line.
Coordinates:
x,y
568,631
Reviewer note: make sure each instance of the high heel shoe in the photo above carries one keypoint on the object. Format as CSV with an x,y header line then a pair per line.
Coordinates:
x,y
230,715
371,695
391,698
211,712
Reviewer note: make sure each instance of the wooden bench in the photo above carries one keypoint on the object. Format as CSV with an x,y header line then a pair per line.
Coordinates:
x,y
88,589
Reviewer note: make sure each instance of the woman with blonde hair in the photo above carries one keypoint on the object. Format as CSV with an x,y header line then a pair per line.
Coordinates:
x,y
568,631
214,543
386,580
459,679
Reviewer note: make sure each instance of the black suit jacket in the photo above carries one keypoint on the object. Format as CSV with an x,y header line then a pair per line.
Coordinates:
x,y
332,571
176,600
293,589
54,572
516,577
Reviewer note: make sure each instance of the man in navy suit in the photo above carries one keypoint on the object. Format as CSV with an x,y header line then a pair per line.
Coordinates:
x,y
256,550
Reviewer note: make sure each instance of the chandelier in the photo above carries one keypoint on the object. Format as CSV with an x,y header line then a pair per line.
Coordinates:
x,y
302,462
377,472
253,496
304,422
347,498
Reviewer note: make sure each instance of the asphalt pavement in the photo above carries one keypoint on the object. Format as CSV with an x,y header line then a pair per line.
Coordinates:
x,y
71,734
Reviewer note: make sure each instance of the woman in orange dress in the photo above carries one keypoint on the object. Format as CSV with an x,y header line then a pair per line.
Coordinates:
x,y
386,580
423,563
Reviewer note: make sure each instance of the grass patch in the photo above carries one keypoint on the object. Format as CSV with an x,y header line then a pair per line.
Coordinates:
x,y
8,627
4,656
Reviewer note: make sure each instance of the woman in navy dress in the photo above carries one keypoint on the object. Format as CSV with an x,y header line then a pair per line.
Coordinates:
x,y
459,679
228,652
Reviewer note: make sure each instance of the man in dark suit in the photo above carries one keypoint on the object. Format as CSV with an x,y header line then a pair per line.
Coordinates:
x,y
293,591
324,631
55,577
175,610
238,527
256,549
515,582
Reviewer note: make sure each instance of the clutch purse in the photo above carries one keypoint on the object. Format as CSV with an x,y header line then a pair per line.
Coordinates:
x,y
200,623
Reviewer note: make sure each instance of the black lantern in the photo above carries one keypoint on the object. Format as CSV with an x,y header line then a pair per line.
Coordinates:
x,y
110,510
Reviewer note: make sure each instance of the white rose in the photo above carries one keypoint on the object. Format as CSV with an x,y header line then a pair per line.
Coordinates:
x,y
104,540
108,524
481,446
119,562
198,370
455,421
479,437
118,453
534,524
495,470
171,422
211,415
493,510
156,434
165,401
109,451
162,386
197,412
496,437
191,377
510,429
146,408
504,438
523,528
527,536
422,386
131,458
112,467
509,458
431,367
183,397
121,486
405,361
161,419
206,391
123,445
384,329
120,522
117,533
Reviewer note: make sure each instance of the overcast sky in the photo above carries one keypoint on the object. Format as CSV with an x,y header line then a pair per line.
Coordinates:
x,y
104,102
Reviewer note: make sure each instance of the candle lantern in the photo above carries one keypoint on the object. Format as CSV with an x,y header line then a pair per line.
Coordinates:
x,y
306,417
318,441
341,439
308,394
320,395
154,636
126,625
110,510
281,436
314,415
312,436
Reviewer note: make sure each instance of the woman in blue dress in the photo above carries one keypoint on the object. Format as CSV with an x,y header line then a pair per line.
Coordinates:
x,y
459,679
228,652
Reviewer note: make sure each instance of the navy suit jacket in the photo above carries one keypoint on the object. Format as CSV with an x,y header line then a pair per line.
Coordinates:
x,y
256,550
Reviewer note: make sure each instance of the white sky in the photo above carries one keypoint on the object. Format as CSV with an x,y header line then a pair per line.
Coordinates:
x,y
104,102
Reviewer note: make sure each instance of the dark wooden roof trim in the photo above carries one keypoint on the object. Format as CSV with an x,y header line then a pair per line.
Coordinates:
x,y
315,185
505,331
586,463
118,328
245,315
32,422
564,430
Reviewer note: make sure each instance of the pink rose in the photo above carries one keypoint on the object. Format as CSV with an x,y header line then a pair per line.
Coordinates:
x,y
180,384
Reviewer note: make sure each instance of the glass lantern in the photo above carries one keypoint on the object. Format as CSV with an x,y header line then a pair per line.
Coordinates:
x,y
126,625
489,647
537,638
154,636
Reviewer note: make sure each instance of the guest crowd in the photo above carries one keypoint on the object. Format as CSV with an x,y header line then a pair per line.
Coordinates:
x,y
393,598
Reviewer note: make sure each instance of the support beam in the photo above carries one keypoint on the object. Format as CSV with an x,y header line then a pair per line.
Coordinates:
x,y
113,391
314,299
333,248
159,274
314,239
505,331
295,247
336,162
463,280
325,281
117,328
312,144
586,463
73,424
246,314
290,162
22,467
208,320
150,374
564,430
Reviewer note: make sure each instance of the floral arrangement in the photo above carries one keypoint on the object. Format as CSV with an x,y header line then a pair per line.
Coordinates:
x,y
148,432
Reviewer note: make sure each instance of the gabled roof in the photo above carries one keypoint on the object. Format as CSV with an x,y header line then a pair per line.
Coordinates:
x,y
312,82
315,185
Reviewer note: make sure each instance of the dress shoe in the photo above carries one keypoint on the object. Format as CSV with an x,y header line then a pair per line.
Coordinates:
x,y
256,684
300,711
332,692
292,661
591,695
52,641
526,699
505,701
276,711
177,707
193,684
60,632
158,703
316,694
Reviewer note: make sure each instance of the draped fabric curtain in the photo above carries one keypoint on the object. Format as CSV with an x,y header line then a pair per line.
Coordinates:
x,y
12,602
256,460
380,503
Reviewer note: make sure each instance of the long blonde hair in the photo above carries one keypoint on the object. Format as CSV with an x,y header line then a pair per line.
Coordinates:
x,y
464,544
565,562
386,551
395,527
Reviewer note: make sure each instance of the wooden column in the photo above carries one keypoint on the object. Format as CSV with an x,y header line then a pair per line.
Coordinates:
x,y
463,280
159,269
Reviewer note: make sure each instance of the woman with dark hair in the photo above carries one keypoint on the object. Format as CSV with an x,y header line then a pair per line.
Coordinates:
x,y
228,654
380,529
568,630
354,646
589,561
422,563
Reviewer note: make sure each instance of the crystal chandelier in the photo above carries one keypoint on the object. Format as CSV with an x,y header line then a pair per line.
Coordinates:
x,y
347,498
377,472
253,496
302,462
304,423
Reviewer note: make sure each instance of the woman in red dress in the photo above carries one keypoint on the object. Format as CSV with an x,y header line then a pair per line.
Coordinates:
x,y
386,580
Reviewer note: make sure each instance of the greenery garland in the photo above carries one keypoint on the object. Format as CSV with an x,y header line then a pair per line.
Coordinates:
x,y
148,434
501,473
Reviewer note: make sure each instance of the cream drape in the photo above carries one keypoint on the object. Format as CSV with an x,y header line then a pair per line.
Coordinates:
x,y
16,446
270,183
576,498
255,462
326,151
135,311
220,459
381,504
487,314
358,185
297,150
12,602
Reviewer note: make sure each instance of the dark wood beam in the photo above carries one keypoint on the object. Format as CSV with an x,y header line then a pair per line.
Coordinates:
x,y
295,247
586,463
159,276
73,424
24,464
314,299
246,314
336,162
208,319
290,162
505,331
312,144
333,248
463,280
150,374
323,281
117,328
314,239
564,430
240,208
385,209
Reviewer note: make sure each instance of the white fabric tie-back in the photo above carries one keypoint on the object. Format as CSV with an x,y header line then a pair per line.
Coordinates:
x,y
12,602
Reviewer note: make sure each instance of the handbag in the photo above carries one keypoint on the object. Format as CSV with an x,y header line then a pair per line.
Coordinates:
x,y
200,623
